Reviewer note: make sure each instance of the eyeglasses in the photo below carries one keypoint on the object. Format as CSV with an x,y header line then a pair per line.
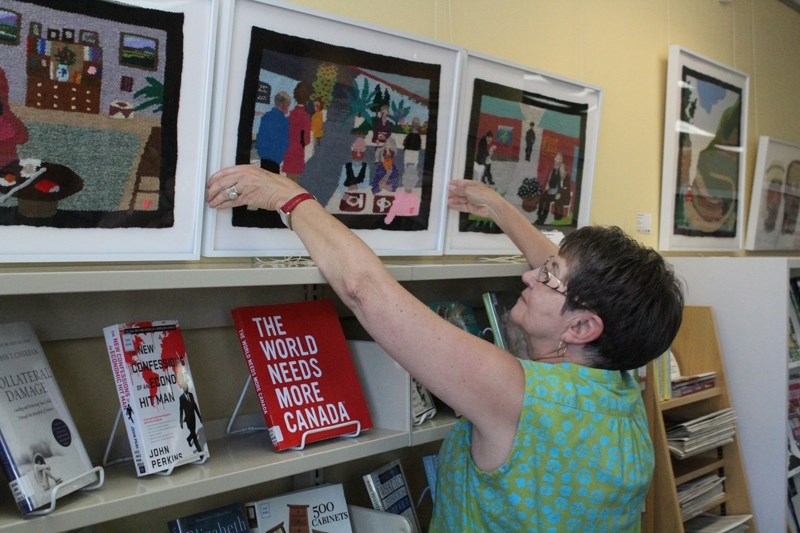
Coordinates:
x,y
545,277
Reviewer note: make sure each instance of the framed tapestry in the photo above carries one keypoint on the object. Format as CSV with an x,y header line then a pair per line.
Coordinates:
x,y
775,202
361,117
104,109
705,137
531,136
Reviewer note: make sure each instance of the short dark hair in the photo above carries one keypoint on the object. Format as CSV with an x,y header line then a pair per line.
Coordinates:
x,y
630,287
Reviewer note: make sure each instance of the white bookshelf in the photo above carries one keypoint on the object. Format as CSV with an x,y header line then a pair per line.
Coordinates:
x,y
69,305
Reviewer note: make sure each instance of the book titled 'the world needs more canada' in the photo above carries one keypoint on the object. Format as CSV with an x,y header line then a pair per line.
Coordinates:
x,y
302,372
156,394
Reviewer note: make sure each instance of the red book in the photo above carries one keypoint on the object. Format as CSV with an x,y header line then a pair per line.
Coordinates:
x,y
302,372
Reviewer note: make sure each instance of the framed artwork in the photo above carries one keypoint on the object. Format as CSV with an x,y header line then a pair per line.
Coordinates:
x,y
110,175
138,51
361,117
775,202
705,134
532,137
9,27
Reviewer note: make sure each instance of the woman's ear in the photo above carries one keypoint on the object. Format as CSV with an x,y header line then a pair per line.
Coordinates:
x,y
584,328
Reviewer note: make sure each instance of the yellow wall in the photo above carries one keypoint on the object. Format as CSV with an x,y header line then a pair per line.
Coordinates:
x,y
622,47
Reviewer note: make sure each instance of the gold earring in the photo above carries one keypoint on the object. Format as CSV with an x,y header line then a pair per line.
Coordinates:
x,y
562,349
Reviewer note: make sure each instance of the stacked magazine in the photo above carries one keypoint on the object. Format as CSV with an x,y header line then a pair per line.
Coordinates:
x,y
690,437
711,523
699,494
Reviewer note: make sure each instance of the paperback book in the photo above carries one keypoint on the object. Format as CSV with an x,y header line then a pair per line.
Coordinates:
x,y
507,335
157,395
431,464
226,519
40,448
684,385
388,491
302,372
321,508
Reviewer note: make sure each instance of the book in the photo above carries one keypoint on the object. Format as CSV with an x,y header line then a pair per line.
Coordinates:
x,y
423,406
225,519
691,388
431,465
40,448
684,385
320,508
388,491
157,396
506,334
459,314
302,372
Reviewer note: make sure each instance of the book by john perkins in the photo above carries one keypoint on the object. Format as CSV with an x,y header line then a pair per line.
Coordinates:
x,y
39,444
302,372
156,394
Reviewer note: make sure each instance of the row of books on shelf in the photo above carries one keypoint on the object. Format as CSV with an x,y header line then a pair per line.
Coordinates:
x,y
672,383
298,362
318,508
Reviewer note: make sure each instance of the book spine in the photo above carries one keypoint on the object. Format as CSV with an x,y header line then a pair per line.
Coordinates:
x,y
684,390
490,303
374,495
119,368
251,367
12,475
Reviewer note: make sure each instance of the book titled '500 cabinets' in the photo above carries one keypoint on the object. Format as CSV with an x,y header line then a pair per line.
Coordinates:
x,y
39,444
305,380
156,394
318,509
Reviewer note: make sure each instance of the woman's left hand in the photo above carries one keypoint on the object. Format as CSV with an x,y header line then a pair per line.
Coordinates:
x,y
252,186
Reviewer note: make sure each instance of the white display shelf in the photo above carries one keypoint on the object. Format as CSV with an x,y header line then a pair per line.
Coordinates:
x,y
236,461
243,273
70,304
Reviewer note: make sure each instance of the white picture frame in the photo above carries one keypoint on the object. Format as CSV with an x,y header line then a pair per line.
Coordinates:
x,y
566,116
366,56
703,181
774,202
97,218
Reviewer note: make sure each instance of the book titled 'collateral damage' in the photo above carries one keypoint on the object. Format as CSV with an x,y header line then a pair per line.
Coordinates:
x,y
156,394
304,377
40,448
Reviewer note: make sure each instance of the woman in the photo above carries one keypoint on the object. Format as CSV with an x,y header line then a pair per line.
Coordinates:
x,y
558,442
294,162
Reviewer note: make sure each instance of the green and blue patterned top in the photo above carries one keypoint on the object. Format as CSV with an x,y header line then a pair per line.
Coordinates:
x,y
582,460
